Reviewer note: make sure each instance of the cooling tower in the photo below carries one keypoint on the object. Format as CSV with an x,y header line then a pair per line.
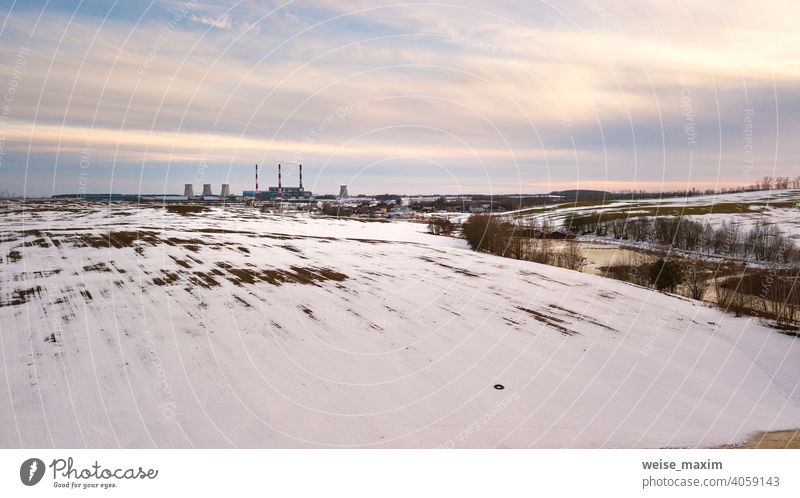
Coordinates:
x,y
188,190
207,190
226,190
343,194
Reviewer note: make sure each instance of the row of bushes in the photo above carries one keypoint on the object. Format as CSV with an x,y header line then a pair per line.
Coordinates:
x,y
486,233
762,242
769,293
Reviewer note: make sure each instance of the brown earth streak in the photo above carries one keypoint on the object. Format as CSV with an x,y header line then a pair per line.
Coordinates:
x,y
775,440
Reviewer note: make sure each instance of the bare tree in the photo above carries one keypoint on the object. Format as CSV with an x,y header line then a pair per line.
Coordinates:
x,y
696,282
571,256
732,296
780,297
541,251
723,293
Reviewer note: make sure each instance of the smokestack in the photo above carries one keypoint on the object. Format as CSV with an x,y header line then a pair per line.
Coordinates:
x,y
188,190
207,189
226,190
301,177
255,197
280,185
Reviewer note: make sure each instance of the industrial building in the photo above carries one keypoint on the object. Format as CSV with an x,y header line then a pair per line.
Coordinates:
x,y
275,193
280,192
208,194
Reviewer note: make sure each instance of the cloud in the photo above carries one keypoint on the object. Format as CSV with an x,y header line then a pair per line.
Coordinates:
x,y
222,22
580,91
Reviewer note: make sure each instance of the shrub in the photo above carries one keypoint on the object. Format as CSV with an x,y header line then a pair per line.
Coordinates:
x,y
486,233
571,257
696,282
440,226
665,275
734,293
630,267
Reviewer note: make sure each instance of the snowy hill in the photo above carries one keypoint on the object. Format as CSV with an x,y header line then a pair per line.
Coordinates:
x,y
145,327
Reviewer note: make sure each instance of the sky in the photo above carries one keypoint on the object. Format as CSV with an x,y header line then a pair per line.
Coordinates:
x,y
385,96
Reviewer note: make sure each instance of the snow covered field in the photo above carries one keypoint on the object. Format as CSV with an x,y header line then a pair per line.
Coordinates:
x,y
144,327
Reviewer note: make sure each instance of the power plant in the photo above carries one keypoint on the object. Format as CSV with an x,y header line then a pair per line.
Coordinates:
x,y
280,193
